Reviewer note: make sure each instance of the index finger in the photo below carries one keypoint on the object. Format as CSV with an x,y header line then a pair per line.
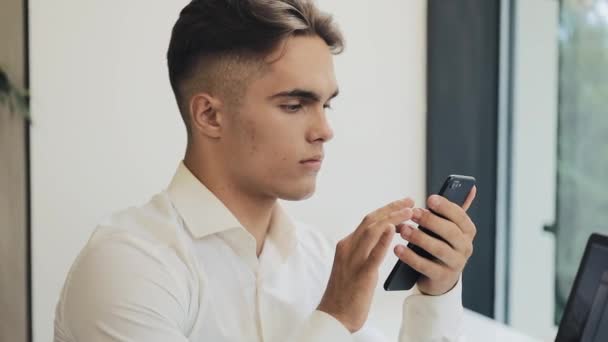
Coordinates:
x,y
381,213
451,211
470,198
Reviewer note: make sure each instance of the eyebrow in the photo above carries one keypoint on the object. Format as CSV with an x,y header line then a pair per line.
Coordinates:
x,y
303,95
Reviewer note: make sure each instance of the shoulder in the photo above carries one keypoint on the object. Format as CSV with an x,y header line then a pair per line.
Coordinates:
x,y
135,238
155,221
131,262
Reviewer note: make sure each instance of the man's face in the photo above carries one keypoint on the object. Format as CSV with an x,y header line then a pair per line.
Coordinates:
x,y
281,122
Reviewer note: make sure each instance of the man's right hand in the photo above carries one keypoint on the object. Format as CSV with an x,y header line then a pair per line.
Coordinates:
x,y
354,274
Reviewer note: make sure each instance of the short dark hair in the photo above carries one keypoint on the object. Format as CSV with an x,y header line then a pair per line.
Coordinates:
x,y
209,33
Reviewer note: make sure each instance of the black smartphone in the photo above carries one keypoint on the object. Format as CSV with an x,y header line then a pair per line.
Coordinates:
x,y
456,188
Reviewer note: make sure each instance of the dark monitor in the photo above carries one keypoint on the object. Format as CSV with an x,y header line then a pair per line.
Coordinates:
x,y
585,318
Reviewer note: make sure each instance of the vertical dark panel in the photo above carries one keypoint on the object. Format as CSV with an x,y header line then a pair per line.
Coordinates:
x,y
14,170
463,61
28,173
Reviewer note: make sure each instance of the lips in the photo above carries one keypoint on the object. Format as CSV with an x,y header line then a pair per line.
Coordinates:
x,y
317,158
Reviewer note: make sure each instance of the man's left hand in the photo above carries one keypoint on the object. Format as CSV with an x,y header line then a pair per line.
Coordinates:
x,y
441,275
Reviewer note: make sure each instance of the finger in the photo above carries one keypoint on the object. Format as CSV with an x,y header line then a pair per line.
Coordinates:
x,y
366,238
470,198
437,248
377,254
452,212
445,229
401,226
423,265
381,213
396,218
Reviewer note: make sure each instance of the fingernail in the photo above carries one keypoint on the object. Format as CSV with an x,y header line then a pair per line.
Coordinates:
x,y
399,249
434,201
399,213
406,231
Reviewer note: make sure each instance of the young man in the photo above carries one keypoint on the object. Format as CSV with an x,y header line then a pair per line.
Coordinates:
x,y
214,257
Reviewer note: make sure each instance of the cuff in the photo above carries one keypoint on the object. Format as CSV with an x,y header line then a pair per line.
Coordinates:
x,y
433,318
321,326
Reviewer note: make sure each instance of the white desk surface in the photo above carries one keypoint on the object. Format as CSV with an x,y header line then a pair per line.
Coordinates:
x,y
481,328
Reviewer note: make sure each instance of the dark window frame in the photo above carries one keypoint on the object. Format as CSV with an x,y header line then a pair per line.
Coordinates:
x,y
463,54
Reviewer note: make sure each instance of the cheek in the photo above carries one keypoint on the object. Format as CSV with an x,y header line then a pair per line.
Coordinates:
x,y
250,139
271,149
265,144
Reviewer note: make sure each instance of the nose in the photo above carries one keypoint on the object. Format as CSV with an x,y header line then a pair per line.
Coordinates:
x,y
320,130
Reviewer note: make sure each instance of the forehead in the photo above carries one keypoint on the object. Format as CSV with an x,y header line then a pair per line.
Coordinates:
x,y
304,62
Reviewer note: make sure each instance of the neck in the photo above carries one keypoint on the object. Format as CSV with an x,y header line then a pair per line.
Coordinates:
x,y
254,211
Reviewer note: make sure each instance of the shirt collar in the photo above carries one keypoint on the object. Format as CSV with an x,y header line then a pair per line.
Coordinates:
x,y
204,214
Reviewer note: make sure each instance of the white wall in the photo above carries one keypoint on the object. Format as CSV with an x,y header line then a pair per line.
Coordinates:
x,y
107,133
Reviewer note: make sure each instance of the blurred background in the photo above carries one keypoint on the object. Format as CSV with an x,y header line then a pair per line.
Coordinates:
x,y
513,92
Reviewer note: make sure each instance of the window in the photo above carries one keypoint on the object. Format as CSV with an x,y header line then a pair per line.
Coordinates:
x,y
582,164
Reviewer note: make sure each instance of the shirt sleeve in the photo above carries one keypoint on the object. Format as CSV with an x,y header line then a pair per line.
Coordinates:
x,y
433,318
319,327
122,290
425,319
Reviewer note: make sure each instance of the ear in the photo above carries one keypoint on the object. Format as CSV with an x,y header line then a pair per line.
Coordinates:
x,y
206,115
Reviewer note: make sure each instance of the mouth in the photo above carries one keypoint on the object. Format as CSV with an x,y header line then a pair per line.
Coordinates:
x,y
317,158
313,163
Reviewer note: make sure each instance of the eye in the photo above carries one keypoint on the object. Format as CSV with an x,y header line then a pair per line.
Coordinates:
x,y
291,108
327,106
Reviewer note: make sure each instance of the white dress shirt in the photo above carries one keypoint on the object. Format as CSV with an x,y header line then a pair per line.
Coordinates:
x,y
182,268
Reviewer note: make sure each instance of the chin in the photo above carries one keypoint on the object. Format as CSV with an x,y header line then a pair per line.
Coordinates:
x,y
297,194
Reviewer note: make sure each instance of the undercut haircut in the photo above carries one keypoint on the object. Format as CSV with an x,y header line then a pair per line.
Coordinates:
x,y
218,46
